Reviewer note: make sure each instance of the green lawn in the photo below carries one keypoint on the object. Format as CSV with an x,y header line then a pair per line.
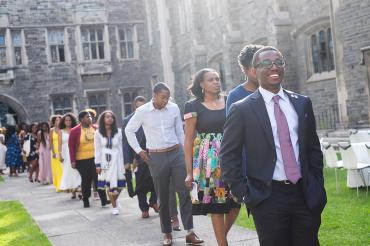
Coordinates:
x,y
17,226
346,218
1,179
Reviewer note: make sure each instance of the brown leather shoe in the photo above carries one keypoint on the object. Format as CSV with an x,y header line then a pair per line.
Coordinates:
x,y
155,207
145,214
167,240
193,239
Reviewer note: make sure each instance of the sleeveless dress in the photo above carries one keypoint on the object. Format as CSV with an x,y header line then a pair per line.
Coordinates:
x,y
71,179
33,147
213,196
13,158
45,175
56,166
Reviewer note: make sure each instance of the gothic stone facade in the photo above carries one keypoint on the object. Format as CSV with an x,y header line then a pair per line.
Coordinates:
x,y
62,55
323,43
58,56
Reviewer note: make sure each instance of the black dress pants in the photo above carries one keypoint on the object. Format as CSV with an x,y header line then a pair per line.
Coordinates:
x,y
87,170
284,219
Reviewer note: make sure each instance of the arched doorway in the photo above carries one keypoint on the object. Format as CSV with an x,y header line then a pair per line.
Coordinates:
x,y
11,111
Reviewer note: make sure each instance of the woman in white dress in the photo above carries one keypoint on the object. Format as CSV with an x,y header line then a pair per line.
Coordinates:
x,y
109,157
71,179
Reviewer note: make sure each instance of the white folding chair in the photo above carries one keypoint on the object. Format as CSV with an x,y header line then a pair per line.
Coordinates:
x,y
359,136
351,156
331,160
367,145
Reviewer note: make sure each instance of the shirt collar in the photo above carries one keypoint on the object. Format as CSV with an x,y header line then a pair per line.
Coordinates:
x,y
268,95
152,108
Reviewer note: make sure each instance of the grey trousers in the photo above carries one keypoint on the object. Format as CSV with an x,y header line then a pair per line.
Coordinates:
x,y
172,200
164,167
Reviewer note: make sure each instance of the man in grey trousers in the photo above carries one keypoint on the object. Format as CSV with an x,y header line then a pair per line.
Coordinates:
x,y
162,125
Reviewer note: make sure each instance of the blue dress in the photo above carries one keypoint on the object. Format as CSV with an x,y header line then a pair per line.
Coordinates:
x,y
237,94
13,154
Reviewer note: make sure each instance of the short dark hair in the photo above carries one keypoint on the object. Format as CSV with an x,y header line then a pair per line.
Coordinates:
x,y
139,99
198,77
160,86
101,125
73,119
82,114
245,56
266,48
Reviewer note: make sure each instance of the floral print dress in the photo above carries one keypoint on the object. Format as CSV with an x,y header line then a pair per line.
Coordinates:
x,y
213,195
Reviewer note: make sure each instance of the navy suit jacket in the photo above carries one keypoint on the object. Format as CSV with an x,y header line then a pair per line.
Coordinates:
x,y
248,125
128,153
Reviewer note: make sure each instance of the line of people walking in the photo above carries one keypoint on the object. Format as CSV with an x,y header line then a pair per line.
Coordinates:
x,y
258,147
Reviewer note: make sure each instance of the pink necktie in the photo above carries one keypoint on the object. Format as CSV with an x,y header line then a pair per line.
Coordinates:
x,y
292,171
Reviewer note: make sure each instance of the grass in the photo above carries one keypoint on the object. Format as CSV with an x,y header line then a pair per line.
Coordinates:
x,y
346,217
1,179
17,227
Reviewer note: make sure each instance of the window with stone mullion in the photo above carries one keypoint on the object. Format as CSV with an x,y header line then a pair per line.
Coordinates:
x,y
93,44
3,60
126,43
322,51
17,47
56,44
62,104
128,98
98,102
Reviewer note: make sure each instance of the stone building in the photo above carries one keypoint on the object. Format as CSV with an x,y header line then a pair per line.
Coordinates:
x,y
326,45
57,56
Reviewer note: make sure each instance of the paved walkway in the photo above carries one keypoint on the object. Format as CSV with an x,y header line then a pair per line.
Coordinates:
x,y
65,222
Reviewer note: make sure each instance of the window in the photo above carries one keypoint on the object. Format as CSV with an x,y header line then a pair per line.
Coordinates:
x,y
62,104
214,8
98,102
93,43
56,46
17,47
128,98
218,63
322,51
127,43
2,48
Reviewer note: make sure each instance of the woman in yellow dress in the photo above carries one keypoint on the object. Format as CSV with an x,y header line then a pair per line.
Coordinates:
x,y
56,165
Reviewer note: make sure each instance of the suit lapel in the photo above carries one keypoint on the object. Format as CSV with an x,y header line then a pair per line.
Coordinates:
x,y
262,115
299,108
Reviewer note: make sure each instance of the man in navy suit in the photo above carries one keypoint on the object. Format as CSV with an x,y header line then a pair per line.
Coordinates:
x,y
144,181
284,187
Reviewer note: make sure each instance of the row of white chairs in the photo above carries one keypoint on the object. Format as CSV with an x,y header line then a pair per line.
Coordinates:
x,y
355,156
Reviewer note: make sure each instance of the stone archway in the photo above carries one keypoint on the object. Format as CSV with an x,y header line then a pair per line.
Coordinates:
x,y
11,106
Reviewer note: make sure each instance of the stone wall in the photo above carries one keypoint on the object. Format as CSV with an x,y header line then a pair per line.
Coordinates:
x,y
37,81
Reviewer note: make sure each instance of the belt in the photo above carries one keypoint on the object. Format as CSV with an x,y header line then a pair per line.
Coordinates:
x,y
164,150
285,182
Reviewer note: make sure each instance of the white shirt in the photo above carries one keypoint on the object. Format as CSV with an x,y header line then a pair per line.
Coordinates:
x,y
162,128
292,118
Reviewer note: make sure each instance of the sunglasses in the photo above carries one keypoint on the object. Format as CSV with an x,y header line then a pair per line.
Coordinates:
x,y
267,64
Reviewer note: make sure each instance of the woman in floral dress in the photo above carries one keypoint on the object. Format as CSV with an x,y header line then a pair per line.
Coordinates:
x,y
204,120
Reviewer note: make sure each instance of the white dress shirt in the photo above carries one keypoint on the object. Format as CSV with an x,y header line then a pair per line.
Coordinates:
x,y
292,118
162,128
